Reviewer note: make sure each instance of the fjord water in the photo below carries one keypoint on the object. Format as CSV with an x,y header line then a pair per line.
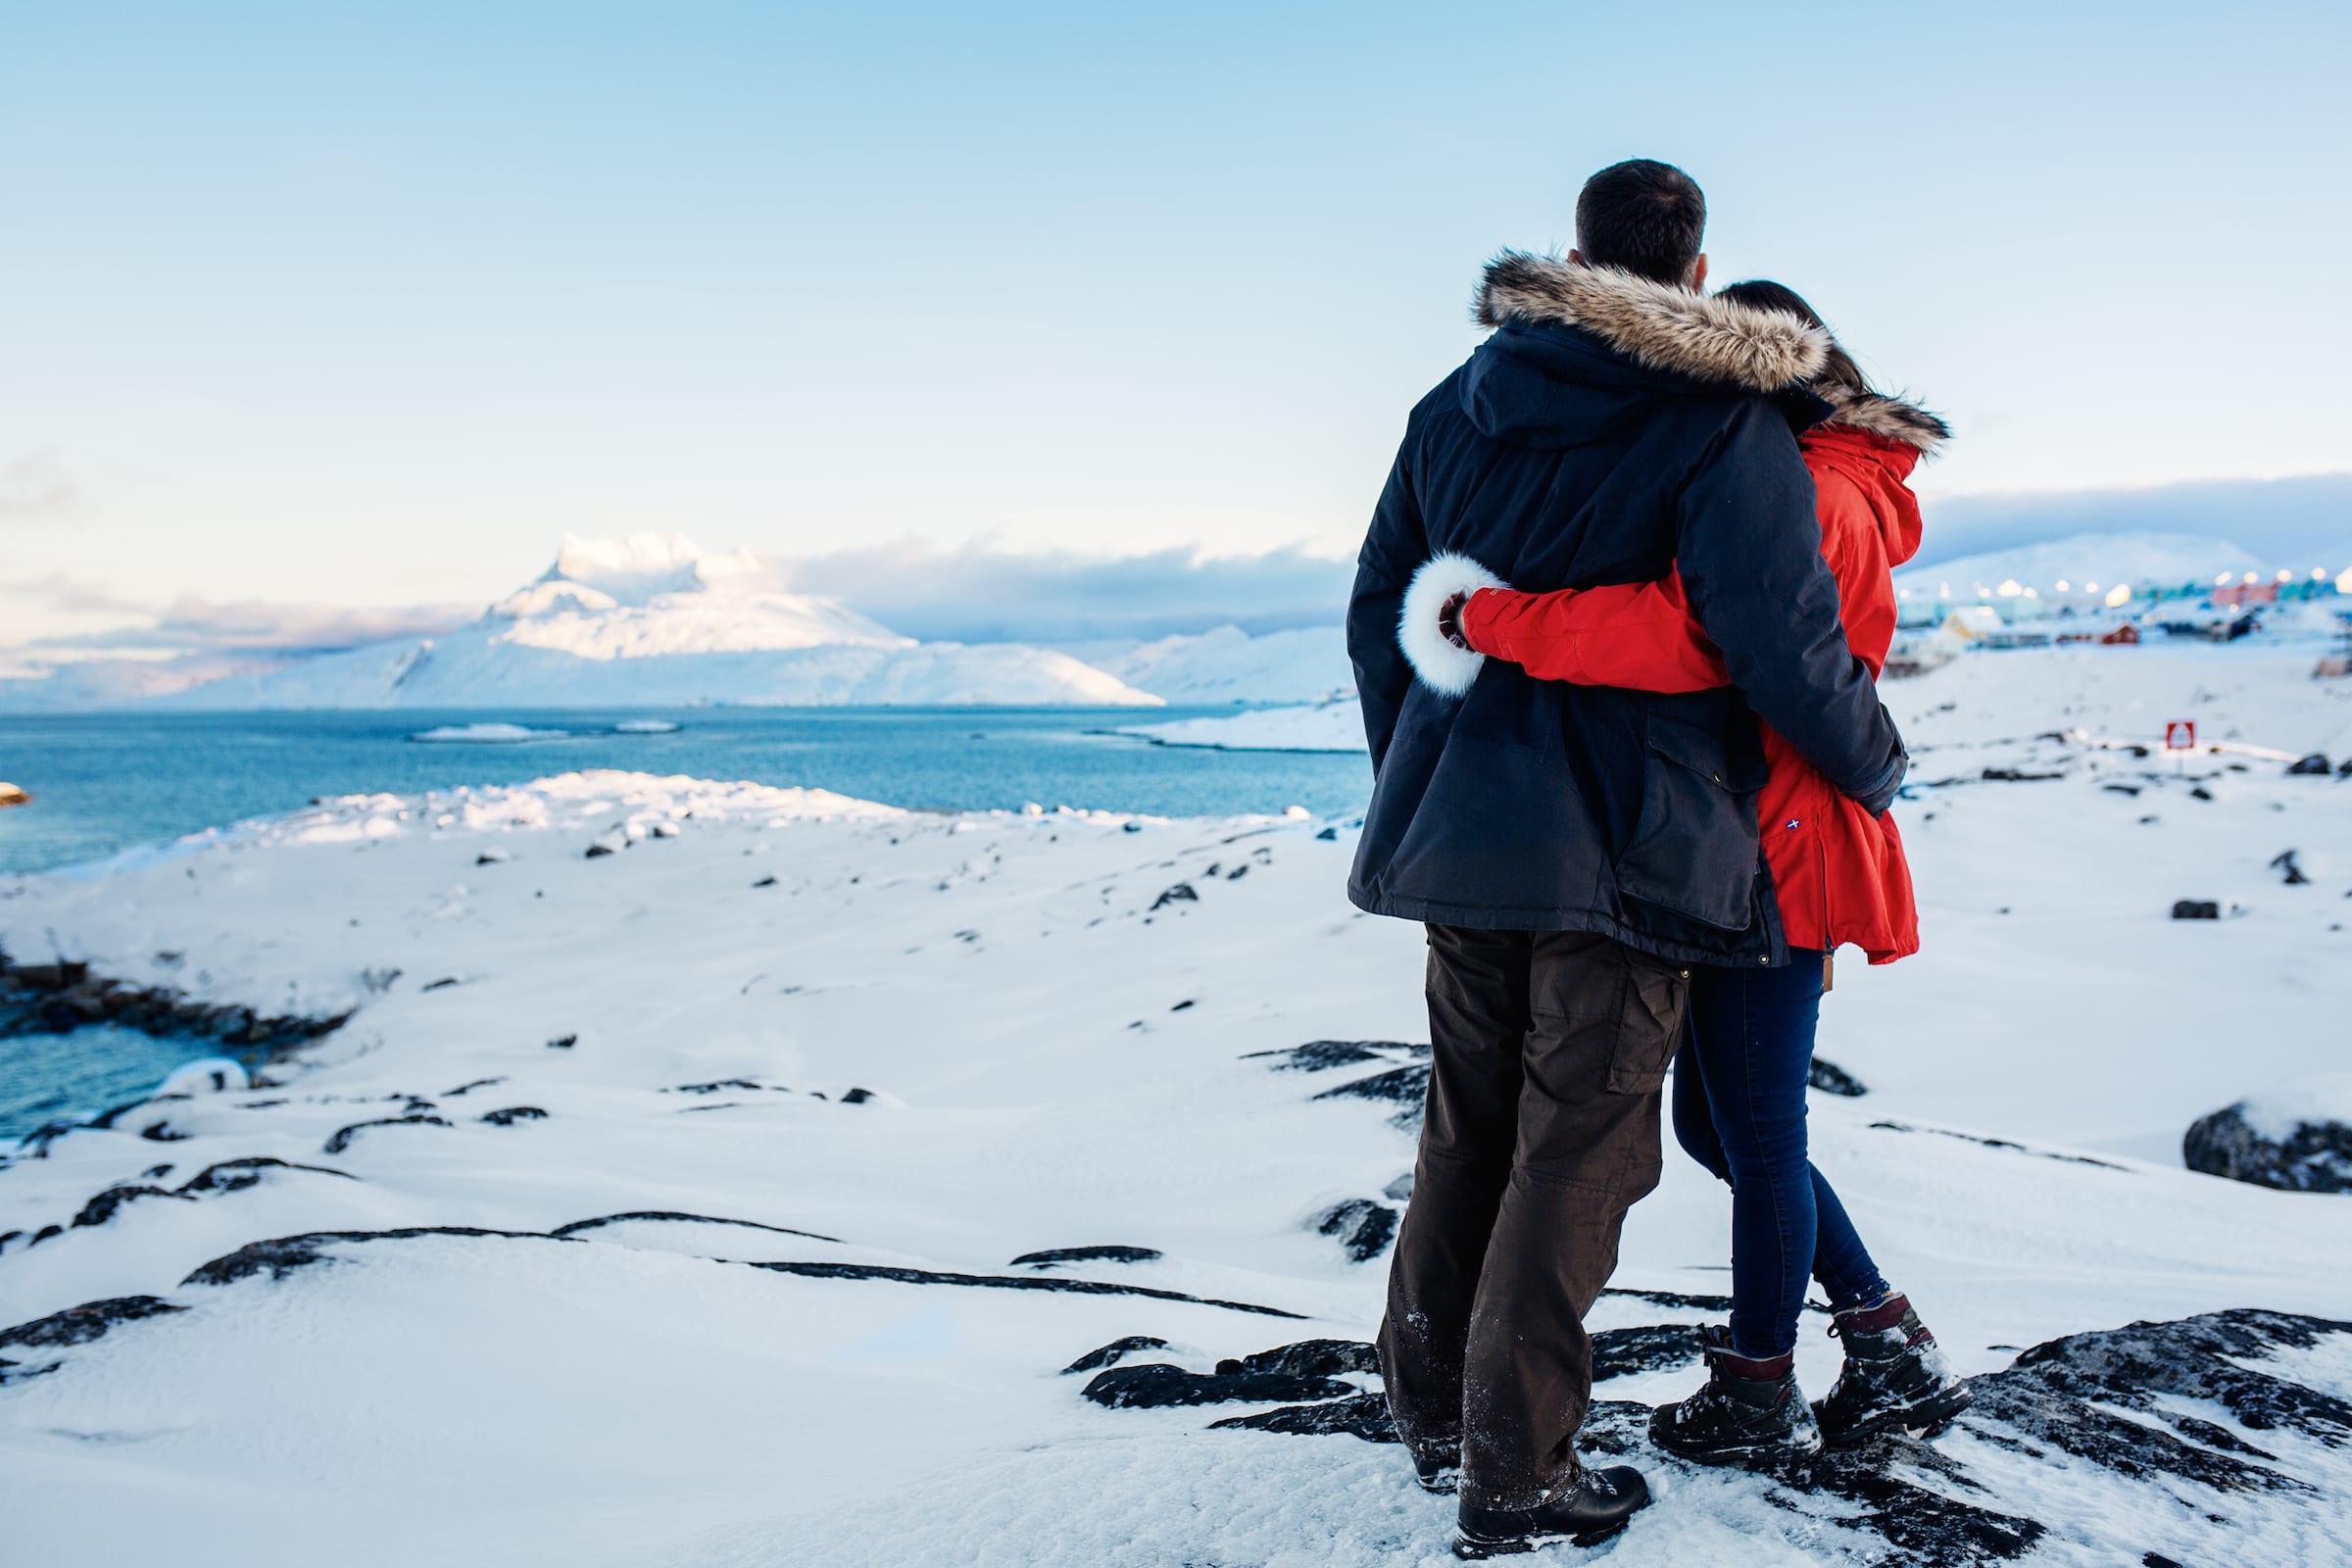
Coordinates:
x,y
107,782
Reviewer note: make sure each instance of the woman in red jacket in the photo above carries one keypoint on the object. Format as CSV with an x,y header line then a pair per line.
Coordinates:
x,y
1838,876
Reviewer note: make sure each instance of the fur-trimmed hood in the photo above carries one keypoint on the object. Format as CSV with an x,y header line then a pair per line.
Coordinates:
x,y
1662,328
1890,418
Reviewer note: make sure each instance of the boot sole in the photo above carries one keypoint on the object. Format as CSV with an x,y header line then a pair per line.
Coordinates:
x,y
1925,1419
1475,1548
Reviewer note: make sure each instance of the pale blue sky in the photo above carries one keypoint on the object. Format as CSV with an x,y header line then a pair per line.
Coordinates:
x,y
365,305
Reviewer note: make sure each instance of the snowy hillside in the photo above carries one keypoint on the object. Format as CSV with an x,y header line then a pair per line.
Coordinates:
x,y
717,1175
1335,725
651,620
2141,559
1229,665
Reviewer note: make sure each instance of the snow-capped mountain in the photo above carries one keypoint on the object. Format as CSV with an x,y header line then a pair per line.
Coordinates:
x,y
654,595
649,620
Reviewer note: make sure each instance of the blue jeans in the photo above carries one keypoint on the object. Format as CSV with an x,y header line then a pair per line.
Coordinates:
x,y
1739,1110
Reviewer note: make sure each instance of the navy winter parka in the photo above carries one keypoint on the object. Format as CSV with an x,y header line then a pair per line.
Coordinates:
x,y
1609,430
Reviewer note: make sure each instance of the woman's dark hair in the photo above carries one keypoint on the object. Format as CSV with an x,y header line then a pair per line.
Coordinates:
x,y
1763,294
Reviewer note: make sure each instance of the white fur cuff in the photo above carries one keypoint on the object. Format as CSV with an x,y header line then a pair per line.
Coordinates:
x,y
1441,665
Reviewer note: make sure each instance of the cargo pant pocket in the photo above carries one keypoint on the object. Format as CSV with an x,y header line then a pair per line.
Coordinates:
x,y
1649,1023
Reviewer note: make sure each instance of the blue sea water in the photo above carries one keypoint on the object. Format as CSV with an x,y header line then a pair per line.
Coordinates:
x,y
107,782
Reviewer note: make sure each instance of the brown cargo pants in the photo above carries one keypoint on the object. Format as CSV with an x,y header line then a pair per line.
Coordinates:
x,y
1547,1050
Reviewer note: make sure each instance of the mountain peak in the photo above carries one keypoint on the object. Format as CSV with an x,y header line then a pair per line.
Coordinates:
x,y
632,571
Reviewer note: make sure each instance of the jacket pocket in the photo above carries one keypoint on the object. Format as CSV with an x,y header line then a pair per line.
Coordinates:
x,y
1694,847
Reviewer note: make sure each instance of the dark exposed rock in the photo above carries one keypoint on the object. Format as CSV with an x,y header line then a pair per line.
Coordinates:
x,y
715,1086
236,1175
1085,1254
2196,909
79,1325
1831,1079
1321,1055
36,1143
343,1136
1103,1355
598,850
442,984
57,998
765,882
1657,1347
2314,765
508,1115
470,1086
1010,1282
101,1209
1997,1143
1328,835
2016,775
2291,873
1308,1358
162,1132
1695,1303
282,1255
1156,1385
671,1216
1358,1416
563,1042
2315,1157
857,1097
1181,893
1362,1226
1403,1085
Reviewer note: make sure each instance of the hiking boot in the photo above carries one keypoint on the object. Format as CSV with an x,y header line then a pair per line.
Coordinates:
x,y
1895,1379
1749,1412
1439,1476
1590,1510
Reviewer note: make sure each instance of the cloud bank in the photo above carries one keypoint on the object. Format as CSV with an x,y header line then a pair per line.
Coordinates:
x,y
978,593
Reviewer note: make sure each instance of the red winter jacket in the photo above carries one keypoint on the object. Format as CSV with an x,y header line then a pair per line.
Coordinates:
x,y
1839,874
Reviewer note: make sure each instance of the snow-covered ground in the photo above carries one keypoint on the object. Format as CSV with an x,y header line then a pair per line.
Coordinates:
x,y
584,1096
1335,725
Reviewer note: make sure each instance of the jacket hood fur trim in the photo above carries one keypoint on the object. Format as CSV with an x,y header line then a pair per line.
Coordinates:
x,y
1702,336
1889,418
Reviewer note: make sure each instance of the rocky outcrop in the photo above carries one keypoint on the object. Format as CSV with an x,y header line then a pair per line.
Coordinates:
x,y
1363,1227
2312,1156
1156,1385
2108,1421
55,998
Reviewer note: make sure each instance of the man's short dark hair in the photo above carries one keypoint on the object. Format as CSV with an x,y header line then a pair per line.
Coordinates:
x,y
1643,216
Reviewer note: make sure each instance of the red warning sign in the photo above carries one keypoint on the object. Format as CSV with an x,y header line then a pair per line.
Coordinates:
x,y
2181,735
